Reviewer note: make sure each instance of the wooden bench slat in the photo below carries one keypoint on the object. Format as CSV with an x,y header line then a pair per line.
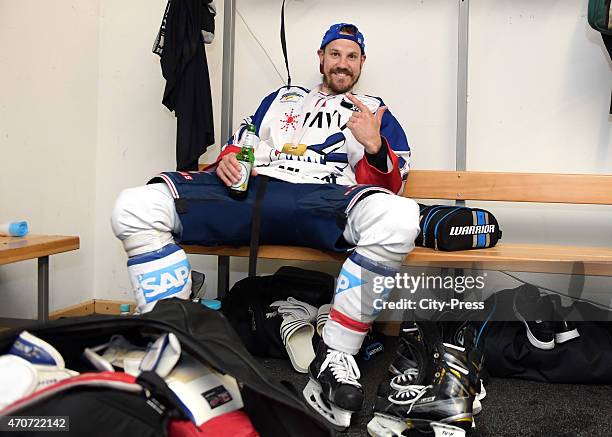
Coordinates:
x,y
510,187
506,256
269,252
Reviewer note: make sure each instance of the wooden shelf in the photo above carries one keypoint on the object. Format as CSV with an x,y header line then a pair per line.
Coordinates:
x,y
13,249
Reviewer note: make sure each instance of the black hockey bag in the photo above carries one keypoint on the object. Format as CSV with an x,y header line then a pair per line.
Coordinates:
x,y
583,359
247,305
452,228
116,403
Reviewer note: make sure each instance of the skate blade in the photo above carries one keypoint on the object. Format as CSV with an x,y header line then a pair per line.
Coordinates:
x,y
339,419
476,406
385,426
483,392
449,427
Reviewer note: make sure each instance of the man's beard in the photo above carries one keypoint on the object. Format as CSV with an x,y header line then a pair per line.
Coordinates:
x,y
328,82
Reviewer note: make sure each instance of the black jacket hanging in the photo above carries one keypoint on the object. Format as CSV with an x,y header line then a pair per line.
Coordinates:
x,y
184,66
600,19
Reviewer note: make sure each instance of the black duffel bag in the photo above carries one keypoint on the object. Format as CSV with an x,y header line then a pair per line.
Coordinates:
x,y
584,360
450,228
204,334
247,305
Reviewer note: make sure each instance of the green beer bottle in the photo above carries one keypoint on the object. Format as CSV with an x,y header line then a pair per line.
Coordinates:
x,y
245,158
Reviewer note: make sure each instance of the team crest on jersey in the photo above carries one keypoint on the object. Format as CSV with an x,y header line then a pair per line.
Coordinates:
x,y
290,97
290,121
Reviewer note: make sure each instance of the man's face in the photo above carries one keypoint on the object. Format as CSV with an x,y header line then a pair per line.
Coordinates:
x,y
341,62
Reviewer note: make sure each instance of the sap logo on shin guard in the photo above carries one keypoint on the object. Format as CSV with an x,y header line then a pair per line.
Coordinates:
x,y
347,281
165,282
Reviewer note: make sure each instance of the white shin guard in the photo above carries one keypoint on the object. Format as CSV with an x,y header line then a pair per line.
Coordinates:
x,y
157,275
359,293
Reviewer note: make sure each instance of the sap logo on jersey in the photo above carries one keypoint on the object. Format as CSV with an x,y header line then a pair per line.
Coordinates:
x,y
164,282
347,281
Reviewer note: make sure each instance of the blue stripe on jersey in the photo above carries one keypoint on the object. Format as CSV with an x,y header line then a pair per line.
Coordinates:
x,y
337,157
336,138
393,132
259,115
256,118
265,104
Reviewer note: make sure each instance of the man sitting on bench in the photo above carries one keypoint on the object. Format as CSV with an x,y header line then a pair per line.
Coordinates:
x,y
334,161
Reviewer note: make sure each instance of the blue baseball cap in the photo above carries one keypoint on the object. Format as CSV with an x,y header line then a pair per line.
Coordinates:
x,y
333,33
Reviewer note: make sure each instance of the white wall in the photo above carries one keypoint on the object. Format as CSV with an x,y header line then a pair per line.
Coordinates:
x,y
539,92
48,117
80,101
539,89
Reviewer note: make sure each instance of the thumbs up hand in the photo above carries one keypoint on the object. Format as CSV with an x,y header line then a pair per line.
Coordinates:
x,y
365,126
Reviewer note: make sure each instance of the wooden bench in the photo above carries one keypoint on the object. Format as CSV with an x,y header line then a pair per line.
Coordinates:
x,y
13,249
479,186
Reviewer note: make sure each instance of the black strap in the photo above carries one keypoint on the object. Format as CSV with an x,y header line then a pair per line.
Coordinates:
x,y
256,225
284,43
164,400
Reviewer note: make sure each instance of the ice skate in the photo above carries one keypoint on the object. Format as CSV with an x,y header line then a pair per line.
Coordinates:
x,y
412,356
334,390
413,379
444,407
471,359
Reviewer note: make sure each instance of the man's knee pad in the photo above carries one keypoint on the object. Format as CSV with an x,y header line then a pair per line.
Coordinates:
x,y
144,219
405,219
157,275
384,226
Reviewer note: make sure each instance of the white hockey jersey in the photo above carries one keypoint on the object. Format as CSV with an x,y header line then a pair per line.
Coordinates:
x,y
303,138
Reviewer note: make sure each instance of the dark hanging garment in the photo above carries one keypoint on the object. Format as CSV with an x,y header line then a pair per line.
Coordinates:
x,y
180,45
600,19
